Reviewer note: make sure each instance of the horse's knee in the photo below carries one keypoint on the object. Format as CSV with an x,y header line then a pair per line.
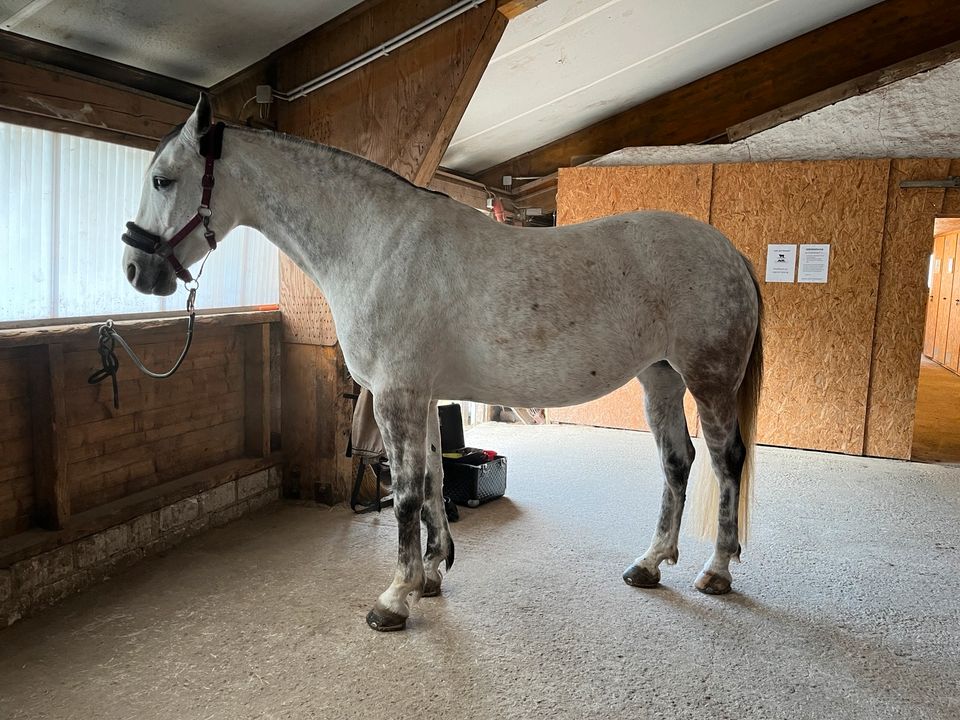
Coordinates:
x,y
676,466
407,508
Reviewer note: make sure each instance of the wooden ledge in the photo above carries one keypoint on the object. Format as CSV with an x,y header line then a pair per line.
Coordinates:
x,y
35,541
87,331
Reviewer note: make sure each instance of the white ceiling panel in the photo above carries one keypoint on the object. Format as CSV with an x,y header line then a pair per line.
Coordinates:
x,y
569,63
199,41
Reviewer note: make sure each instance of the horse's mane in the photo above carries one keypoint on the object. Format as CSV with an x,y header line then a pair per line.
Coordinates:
x,y
297,140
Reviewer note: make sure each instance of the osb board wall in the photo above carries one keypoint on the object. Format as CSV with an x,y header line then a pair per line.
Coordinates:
x,y
818,337
842,358
164,429
901,308
306,315
16,444
390,111
587,193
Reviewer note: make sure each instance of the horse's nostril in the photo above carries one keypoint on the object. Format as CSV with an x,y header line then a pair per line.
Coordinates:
x,y
131,272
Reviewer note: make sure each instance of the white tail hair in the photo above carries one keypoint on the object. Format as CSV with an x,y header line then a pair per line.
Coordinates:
x,y
706,492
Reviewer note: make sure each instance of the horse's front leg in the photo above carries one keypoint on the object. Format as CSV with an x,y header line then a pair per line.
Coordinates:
x,y
402,417
439,540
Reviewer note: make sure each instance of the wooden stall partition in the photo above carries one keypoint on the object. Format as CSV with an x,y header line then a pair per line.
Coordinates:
x,y
901,303
592,192
68,451
163,428
945,287
17,494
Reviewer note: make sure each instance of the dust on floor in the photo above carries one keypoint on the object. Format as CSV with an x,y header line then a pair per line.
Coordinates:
x,y
846,606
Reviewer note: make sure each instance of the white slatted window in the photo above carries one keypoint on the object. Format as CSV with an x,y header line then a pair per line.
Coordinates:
x,y
63,204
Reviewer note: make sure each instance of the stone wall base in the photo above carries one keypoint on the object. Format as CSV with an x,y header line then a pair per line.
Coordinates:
x,y
47,578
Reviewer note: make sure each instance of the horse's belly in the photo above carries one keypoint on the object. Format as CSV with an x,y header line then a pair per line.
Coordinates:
x,y
549,396
547,379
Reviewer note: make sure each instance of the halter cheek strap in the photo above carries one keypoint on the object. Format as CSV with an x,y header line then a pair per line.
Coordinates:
x,y
211,148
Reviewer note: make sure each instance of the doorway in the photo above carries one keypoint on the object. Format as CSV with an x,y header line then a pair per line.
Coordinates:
x,y
936,433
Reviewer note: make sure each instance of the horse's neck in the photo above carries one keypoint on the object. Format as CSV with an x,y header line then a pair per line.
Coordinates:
x,y
327,211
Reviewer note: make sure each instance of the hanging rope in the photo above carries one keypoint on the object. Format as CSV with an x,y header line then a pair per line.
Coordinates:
x,y
111,363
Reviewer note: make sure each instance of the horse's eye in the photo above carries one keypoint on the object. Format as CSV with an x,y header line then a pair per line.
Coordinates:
x,y
160,182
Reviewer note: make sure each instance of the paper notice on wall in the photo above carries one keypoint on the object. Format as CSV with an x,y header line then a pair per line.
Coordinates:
x,y
781,262
814,263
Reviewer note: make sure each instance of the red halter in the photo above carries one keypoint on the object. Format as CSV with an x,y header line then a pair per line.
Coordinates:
x,y
211,147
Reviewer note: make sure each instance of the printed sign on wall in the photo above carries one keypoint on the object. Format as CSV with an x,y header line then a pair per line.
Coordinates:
x,y
781,262
814,263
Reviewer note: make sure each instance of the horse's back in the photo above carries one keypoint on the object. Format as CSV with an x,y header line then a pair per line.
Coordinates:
x,y
566,314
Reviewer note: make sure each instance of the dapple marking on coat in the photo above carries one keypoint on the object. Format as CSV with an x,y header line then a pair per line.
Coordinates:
x,y
431,299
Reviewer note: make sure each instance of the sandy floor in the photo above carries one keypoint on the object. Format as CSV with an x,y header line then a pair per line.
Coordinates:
x,y
847,606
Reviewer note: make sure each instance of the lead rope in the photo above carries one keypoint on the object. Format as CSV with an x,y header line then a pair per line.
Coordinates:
x,y
108,337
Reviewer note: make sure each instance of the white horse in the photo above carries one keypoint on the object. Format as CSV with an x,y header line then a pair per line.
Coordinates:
x,y
432,299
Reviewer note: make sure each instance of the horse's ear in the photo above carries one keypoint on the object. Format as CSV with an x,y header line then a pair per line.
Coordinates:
x,y
199,123
203,114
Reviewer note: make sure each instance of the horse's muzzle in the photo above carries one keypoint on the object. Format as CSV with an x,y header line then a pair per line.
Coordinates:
x,y
140,239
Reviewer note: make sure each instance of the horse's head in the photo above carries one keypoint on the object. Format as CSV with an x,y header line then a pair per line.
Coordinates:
x,y
173,230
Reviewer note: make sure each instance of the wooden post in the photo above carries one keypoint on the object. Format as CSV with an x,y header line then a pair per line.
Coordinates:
x,y
256,381
49,420
399,111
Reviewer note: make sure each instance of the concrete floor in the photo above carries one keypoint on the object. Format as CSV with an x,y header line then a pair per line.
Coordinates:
x,y
936,428
847,606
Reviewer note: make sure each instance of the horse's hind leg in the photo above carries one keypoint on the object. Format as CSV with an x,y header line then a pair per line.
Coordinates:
x,y
402,418
721,430
663,401
439,540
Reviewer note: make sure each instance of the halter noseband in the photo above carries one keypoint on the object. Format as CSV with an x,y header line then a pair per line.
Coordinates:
x,y
211,146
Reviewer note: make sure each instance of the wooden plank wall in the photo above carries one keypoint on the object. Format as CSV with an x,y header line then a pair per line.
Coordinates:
x,y
842,358
16,443
163,428
215,409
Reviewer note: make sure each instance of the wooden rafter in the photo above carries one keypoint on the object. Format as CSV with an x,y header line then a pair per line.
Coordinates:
x,y
861,45
512,8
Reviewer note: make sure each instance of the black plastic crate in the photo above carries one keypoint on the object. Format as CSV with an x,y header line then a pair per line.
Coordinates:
x,y
473,485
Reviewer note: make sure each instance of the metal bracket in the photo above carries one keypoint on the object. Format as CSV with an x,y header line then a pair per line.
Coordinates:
x,y
950,182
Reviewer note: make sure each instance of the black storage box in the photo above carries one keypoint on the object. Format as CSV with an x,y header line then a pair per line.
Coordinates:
x,y
473,485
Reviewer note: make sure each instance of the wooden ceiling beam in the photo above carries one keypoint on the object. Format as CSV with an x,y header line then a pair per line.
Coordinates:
x,y
861,45
23,49
512,8
844,91
63,101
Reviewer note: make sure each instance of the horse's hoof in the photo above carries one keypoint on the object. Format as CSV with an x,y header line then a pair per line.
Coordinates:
x,y
383,620
712,584
431,588
639,576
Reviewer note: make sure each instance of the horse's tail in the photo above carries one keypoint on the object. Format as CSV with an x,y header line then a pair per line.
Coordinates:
x,y
707,491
